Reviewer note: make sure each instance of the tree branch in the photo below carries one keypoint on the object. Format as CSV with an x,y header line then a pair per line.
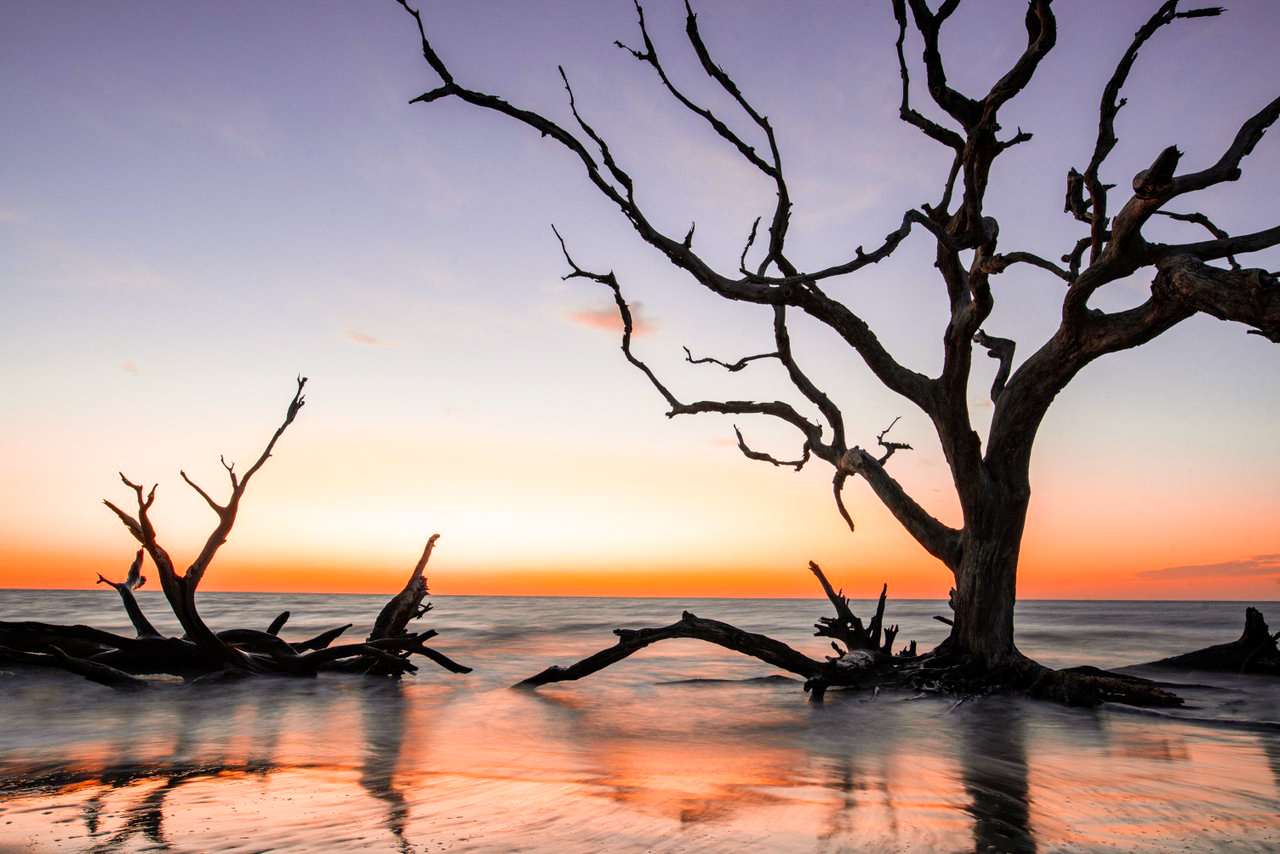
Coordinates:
x,y
890,447
733,367
1202,220
227,513
939,540
964,110
1251,297
1109,107
931,129
406,605
998,263
1223,247
777,409
766,458
802,295
689,626
1228,166
133,581
997,348
649,56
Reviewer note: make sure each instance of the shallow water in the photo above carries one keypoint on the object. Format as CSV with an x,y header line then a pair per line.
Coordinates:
x,y
637,757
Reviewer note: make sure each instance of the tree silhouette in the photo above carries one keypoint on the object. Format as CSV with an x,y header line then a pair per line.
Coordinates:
x,y
991,478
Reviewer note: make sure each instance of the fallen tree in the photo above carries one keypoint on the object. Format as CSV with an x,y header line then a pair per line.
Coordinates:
x,y
201,653
867,661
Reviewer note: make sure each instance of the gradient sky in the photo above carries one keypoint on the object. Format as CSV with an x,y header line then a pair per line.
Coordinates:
x,y
200,201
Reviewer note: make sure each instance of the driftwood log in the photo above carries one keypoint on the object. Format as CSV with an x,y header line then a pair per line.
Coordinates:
x,y
1253,652
866,660
202,653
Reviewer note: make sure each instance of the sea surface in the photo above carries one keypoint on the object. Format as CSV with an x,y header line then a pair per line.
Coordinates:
x,y
684,747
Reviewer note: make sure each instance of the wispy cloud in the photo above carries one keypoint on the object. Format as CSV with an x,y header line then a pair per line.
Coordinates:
x,y
130,367
362,339
58,263
1256,565
608,319
11,216
243,127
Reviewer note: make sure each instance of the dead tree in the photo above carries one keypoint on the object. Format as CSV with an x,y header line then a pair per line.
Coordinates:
x,y
202,653
962,234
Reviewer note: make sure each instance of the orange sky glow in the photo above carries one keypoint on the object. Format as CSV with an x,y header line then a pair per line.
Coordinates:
x,y
185,227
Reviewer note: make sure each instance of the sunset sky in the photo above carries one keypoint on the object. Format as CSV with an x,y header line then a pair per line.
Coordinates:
x,y
199,202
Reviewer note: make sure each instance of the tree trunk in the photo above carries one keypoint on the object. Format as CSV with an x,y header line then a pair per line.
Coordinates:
x,y
986,577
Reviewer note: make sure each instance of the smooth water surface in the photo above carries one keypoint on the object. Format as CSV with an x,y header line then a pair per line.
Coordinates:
x,y
683,747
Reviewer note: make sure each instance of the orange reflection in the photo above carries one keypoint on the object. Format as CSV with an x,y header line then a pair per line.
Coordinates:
x,y
612,767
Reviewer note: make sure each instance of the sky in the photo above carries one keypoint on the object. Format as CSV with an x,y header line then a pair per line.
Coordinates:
x,y
200,202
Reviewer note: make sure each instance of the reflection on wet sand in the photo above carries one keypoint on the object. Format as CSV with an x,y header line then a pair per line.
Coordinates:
x,y
701,766
129,776
382,710
993,758
689,780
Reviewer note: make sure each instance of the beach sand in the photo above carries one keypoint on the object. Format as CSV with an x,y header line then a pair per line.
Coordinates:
x,y
634,759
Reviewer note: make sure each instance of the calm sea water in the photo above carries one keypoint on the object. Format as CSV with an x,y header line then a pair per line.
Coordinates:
x,y
683,747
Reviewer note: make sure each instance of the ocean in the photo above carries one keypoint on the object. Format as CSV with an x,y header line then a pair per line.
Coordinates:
x,y
683,747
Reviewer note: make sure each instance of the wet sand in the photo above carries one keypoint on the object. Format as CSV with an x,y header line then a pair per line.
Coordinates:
x,y
636,759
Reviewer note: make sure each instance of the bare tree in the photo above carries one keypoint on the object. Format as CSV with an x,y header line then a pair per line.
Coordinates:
x,y
991,479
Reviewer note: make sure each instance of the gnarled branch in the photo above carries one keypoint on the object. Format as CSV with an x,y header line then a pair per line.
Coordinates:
x,y
689,626
997,348
777,409
1251,297
939,540
133,581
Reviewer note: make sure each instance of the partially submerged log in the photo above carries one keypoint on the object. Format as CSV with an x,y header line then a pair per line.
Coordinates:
x,y
866,660
1253,652
630,641
201,653
864,656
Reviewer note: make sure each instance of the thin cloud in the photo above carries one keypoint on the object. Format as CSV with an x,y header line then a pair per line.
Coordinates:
x,y
130,367
11,216
362,339
608,319
1256,565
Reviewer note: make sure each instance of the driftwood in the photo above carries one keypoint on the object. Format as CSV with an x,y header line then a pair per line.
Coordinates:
x,y
201,653
631,641
1253,652
867,661
852,666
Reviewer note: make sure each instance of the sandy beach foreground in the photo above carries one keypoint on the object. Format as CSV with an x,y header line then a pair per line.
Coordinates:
x,y
687,748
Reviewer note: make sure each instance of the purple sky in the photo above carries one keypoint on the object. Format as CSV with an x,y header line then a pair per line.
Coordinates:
x,y
198,202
